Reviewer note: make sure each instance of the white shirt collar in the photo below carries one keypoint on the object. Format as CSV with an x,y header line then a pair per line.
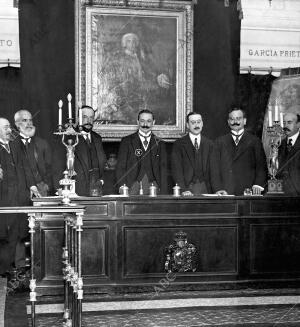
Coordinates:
x,y
294,138
24,136
4,142
193,137
240,132
145,134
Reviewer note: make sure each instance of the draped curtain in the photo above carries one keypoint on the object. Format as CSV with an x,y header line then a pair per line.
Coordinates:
x,y
253,96
10,91
47,58
216,62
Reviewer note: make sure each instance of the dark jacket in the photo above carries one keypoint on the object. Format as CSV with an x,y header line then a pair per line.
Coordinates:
x,y
129,161
39,157
289,167
183,161
235,168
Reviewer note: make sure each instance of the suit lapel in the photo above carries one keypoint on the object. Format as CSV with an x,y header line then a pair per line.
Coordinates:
x,y
136,145
189,149
296,146
82,154
205,149
242,146
95,140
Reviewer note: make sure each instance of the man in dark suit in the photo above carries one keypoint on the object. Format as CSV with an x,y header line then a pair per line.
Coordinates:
x,y
289,155
35,150
89,158
191,158
238,160
142,158
15,187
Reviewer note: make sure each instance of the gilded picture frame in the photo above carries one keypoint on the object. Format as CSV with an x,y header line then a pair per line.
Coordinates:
x,y
134,55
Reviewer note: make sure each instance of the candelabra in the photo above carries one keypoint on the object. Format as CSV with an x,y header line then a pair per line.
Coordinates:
x,y
69,140
275,132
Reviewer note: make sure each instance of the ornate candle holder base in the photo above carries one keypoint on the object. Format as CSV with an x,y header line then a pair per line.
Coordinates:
x,y
275,187
68,188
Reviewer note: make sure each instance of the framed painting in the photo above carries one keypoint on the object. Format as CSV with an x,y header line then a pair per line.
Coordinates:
x,y
135,55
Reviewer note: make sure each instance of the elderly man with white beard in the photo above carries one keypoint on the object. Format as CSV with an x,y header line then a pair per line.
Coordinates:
x,y
36,151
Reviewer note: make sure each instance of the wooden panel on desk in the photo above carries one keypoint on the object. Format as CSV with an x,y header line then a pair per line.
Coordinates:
x,y
144,248
95,252
275,248
52,249
96,209
275,206
180,208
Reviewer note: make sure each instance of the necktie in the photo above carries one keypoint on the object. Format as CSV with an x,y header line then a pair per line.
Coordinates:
x,y
196,144
26,141
87,138
6,146
145,142
237,138
289,145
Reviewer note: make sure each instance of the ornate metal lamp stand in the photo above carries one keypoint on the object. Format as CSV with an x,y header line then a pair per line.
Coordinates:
x,y
276,133
69,140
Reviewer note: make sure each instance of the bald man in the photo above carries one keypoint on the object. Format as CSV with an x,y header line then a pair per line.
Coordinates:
x,y
289,155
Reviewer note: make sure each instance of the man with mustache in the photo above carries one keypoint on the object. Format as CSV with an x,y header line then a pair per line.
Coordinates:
x,y
15,187
289,155
142,158
89,160
35,150
191,159
238,160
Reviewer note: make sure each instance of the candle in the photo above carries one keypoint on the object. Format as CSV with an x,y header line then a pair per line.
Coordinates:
x,y
276,111
69,97
270,118
60,104
281,119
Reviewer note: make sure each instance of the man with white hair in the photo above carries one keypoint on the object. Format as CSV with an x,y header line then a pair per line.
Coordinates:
x,y
15,187
36,151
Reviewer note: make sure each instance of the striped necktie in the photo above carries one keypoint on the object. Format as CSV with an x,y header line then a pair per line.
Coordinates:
x,y
196,145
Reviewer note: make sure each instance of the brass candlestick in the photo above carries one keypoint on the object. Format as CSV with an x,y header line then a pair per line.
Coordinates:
x,y
275,133
70,138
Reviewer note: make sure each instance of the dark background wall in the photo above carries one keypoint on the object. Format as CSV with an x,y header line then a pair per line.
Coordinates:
x,y
48,67
47,71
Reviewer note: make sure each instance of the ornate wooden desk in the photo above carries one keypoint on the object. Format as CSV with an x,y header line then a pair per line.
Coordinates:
x,y
240,242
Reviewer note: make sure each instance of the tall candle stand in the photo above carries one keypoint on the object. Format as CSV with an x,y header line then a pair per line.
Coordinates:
x,y
275,133
70,138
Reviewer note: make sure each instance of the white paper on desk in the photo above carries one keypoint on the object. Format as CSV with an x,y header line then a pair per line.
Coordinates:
x,y
218,194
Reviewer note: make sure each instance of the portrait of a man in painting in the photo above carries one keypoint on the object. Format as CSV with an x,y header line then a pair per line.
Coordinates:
x,y
133,68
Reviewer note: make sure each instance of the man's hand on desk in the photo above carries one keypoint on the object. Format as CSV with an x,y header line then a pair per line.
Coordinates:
x,y
256,190
34,192
187,193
